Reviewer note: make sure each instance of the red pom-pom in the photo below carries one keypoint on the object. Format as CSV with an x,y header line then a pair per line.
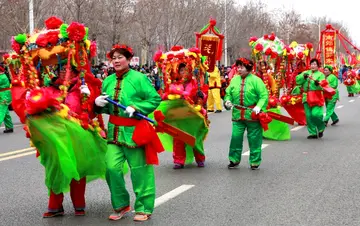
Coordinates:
x,y
6,56
157,56
176,48
52,37
212,22
259,47
300,55
309,45
272,37
195,50
266,37
170,56
268,51
253,39
76,31
53,22
274,55
15,46
42,40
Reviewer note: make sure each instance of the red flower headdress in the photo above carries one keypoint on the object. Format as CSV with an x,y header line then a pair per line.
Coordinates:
x,y
118,46
246,62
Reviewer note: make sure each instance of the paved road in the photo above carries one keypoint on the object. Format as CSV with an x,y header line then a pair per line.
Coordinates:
x,y
301,182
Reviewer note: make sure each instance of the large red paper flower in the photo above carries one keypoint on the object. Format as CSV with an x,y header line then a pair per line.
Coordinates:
x,y
39,100
76,31
53,22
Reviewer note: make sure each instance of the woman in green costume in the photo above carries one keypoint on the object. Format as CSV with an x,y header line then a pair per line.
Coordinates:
x,y
5,100
313,99
331,101
246,91
134,90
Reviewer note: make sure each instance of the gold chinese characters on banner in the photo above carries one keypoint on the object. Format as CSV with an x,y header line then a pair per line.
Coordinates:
x,y
208,47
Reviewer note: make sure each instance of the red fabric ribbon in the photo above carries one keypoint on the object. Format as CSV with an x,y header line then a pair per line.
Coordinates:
x,y
144,135
263,118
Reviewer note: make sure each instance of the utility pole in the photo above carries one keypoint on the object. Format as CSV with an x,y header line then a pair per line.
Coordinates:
x,y
225,36
31,16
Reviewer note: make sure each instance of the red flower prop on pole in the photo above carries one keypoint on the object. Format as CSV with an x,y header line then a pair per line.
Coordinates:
x,y
263,118
53,22
76,31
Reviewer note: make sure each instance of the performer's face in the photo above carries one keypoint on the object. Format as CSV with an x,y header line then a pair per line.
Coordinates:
x,y
120,62
326,71
242,70
314,66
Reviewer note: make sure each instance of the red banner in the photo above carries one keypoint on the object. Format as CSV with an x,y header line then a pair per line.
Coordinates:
x,y
329,43
208,48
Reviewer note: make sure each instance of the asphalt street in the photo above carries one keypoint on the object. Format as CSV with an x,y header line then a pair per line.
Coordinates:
x,y
300,182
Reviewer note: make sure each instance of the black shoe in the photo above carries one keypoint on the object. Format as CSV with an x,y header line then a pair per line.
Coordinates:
x,y
9,130
218,111
321,134
254,167
312,137
335,122
210,110
233,165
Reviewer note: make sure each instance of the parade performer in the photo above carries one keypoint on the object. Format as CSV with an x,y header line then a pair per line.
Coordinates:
x,y
214,91
330,102
59,118
298,60
313,99
129,139
350,82
184,77
245,92
5,101
268,50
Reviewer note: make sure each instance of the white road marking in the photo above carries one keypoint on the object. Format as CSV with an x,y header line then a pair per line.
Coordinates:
x,y
351,101
172,194
341,106
16,152
297,128
3,127
17,156
262,147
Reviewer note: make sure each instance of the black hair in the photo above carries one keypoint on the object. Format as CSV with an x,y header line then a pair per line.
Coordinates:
x,y
182,65
123,52
315,60
248,67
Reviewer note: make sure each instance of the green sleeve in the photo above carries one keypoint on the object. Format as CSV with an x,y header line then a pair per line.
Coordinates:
x,y
333,81
228,91
263,94
300,80
150,98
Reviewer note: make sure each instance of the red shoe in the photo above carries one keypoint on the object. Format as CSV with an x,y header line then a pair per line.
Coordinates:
x,y
79,212
53,214
119,213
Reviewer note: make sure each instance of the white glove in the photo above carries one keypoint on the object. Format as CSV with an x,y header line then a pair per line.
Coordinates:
x,y
256,110
228,105
100,100
84,89
27,96
130,111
